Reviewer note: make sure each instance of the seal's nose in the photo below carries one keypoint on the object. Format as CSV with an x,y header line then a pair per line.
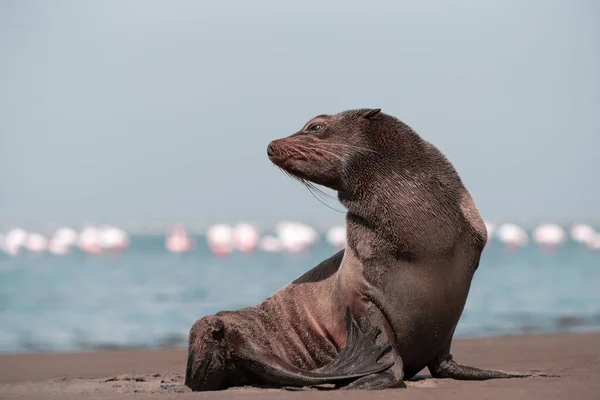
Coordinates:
x,y
270,150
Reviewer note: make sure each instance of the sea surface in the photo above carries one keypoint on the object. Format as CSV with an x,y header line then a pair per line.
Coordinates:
x,y
147,297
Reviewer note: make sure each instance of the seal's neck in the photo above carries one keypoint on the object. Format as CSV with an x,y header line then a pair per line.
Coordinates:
x,y
398,200
395,174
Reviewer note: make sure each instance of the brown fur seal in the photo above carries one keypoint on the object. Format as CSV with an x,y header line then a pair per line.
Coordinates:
x,y
414,240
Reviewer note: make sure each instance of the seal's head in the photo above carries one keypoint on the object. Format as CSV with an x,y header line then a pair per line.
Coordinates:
x,y
332,150
318,152
207,355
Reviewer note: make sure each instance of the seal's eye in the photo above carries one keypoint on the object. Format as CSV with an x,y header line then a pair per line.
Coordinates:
x,y
217,334
316,127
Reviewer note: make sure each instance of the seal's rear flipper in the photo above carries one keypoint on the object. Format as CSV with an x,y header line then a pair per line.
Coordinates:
x,y
446,367
358,358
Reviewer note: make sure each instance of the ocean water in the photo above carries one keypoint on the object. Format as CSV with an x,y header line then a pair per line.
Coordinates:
x,y
147,297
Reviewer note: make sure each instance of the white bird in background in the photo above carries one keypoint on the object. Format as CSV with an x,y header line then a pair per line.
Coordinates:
x,y
295,237
594,243
113,238
512,236
336,237
66,236
62,241
549,236
220,239
58,248
178,241
308,235
583,234
14,240
288,237
245,237
36,243
89,240
270,244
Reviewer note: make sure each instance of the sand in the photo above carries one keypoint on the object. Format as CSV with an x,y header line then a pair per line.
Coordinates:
x,y
154,374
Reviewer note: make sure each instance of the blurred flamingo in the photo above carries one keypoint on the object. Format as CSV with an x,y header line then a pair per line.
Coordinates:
x,y
245,237
178,241
512,236
336,237
549,236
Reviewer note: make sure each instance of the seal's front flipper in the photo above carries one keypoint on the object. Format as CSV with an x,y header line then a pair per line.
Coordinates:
x,y
360,353
444,366
358,358
389,378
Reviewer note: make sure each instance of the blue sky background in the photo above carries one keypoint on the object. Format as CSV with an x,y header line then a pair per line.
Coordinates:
x,y
138,111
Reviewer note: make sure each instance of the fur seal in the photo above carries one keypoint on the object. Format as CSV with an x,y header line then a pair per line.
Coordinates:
x,y
384,308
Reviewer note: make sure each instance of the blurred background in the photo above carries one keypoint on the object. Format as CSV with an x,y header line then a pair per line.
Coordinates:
x,y
135,191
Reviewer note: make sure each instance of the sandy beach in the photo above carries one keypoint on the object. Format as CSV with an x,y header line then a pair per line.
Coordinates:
x,y
154,374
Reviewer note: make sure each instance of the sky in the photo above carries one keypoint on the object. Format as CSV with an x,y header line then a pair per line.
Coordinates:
x,y
130,112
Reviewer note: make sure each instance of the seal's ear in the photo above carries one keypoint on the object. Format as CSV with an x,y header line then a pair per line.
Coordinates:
x,y
371,113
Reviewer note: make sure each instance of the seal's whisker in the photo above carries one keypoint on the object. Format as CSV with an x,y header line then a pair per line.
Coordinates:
x,y
298,146
349,146
342,145
298,149
285,152
315,188
320,148
311,188
291,175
